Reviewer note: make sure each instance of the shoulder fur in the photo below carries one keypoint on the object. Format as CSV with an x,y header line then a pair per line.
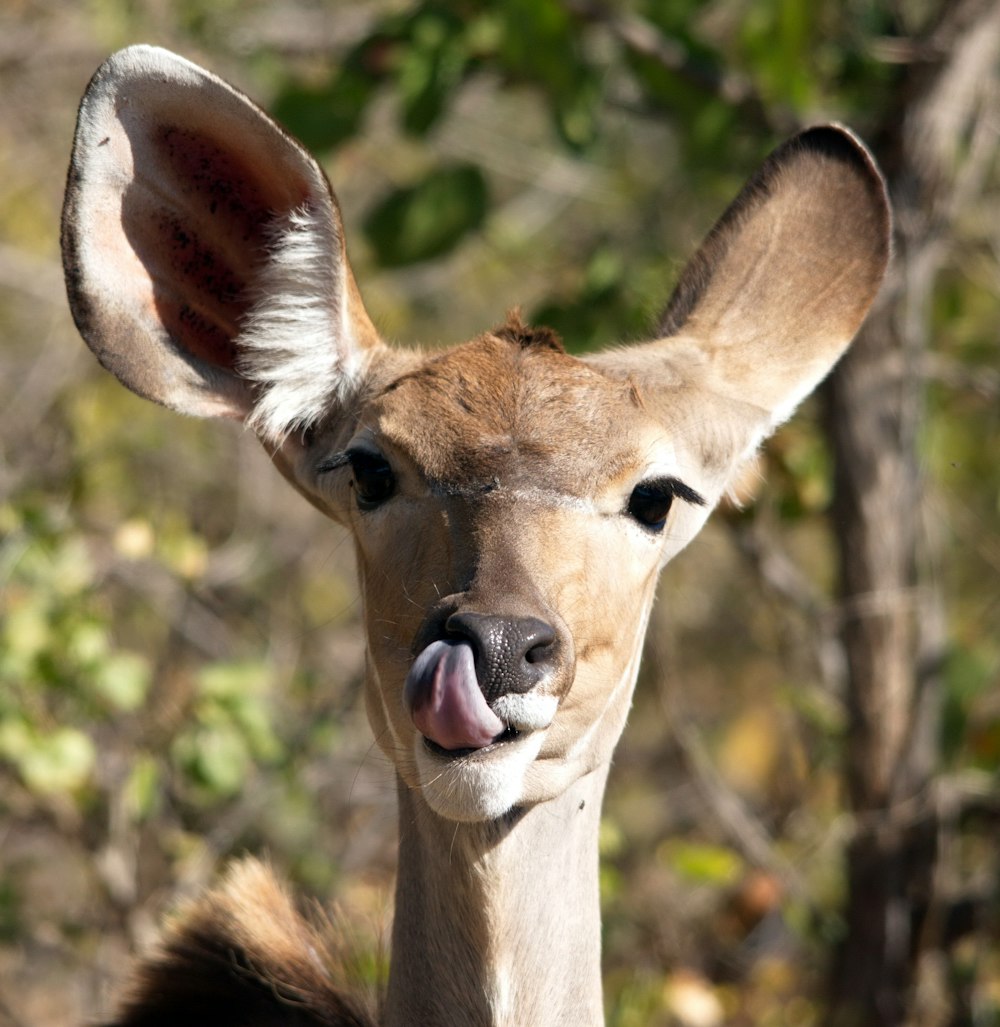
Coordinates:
x,y
241,956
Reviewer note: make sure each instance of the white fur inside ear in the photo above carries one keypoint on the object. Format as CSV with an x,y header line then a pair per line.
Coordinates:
x,y
297,344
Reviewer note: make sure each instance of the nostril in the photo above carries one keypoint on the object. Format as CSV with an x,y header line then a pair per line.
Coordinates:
x,y
541,653
512,654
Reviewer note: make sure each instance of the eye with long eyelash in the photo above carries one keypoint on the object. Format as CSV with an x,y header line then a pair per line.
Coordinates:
x,y
650,501
333,463
374,481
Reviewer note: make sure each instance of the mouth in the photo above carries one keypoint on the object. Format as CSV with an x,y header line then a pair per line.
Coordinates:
x,y
452,718
508,735
464,771
445,702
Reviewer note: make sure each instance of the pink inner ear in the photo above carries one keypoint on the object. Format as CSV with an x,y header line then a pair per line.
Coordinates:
x,y
196,215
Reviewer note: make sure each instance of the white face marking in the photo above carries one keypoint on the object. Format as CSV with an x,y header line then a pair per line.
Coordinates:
x,y
485,785
530,712
501,995
550,498
480,786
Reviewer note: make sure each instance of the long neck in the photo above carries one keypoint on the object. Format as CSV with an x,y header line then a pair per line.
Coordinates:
x,y
499,924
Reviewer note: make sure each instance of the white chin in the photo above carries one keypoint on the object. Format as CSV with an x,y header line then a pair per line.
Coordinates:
x,y
480,786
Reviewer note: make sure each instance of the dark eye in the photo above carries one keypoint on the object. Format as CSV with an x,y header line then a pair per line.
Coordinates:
x,y
374,481
650,503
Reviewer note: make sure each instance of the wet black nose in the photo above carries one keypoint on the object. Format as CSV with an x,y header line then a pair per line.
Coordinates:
x,y
512,654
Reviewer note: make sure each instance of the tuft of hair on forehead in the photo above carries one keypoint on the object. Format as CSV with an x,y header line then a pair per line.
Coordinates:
x,y
516,332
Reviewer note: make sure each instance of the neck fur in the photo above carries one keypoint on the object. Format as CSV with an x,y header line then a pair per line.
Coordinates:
x,y
499,923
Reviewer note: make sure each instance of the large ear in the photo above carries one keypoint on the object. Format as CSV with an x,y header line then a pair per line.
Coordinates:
x,y
782,283
204,252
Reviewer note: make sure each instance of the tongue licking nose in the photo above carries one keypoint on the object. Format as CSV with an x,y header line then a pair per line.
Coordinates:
x,y
445,700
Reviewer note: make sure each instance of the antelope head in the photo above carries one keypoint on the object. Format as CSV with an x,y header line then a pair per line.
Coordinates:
x,y
511,505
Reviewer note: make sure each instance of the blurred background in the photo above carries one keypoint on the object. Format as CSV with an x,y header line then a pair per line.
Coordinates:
x,y
802,820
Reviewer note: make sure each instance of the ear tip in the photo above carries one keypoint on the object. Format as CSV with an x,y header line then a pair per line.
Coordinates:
x,y
844,154
140,62
822,193
835,138
835,141
838,142
142,55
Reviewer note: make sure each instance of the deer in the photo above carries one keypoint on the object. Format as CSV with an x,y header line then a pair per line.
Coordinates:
x,y
511,507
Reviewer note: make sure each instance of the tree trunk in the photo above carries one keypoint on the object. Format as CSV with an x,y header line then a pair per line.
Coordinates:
x,y
890,751
889,626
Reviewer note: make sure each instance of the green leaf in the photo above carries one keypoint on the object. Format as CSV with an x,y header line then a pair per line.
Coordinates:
x,y
224,681
15,737
606,306
214,757
777,38
252,717
431,66
969,675
323,116
87,643
26,635
541,46
142,790
700,862
58,762
576,116
123,680
428,219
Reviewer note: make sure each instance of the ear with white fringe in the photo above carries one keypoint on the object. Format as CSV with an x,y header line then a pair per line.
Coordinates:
x,y
204,251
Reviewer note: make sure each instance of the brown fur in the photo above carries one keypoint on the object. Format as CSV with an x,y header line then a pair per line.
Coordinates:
x,y
241,955
515,467
514,330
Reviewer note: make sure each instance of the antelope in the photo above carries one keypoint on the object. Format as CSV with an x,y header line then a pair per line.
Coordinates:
x,y
511,507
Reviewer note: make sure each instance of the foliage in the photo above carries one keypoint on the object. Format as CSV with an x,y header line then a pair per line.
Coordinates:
x,y
179,646
428,219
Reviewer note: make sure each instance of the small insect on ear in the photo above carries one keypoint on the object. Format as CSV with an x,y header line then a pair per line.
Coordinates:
x,y
204,252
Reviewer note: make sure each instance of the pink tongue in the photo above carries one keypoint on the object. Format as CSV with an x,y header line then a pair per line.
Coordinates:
x,y
445,701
